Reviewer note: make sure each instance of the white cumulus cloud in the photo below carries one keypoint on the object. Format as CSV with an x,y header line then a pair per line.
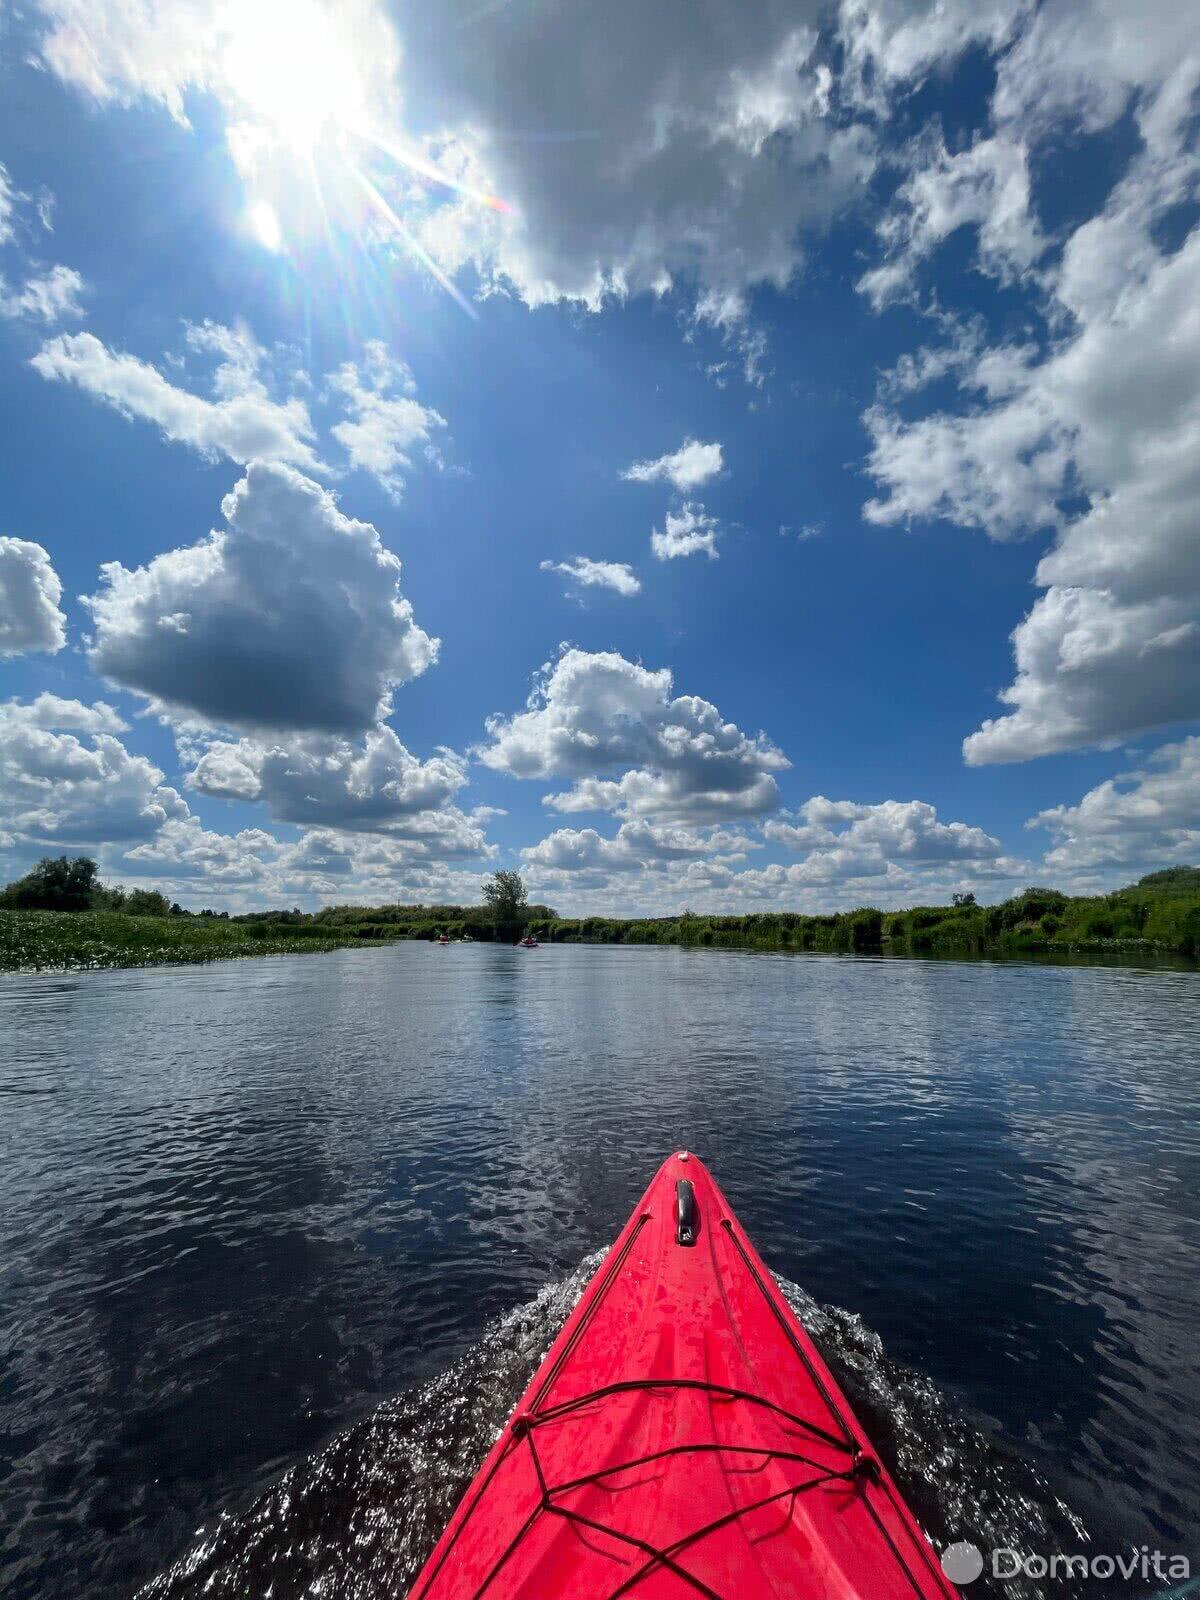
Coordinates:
x,y
985,185
588,574
53,711
1134,823
241,422
1090,60
685,469
381,423
373,785
59,790
689,531
892,854
289,618
186,857
892,44
1090,427
699,154
615,727
252,869
843,839
30,591
382,427
637,847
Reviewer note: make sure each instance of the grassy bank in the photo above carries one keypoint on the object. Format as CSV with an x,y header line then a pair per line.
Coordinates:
x,y
34,940
1158,916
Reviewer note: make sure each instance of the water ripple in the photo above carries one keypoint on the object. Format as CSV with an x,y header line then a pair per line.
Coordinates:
x,y
245,1208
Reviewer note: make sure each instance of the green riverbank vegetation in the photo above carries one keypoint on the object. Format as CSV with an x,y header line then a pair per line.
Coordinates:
x,y
61,916
1148,918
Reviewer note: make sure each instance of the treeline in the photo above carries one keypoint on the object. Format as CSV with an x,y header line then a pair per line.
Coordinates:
x,y
852,932
400,921
72,884
1158,914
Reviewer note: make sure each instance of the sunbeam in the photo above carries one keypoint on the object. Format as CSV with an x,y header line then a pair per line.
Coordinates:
x,y
410,242
426,169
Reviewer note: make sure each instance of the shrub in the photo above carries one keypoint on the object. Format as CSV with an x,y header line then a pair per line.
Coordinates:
x,y
146,903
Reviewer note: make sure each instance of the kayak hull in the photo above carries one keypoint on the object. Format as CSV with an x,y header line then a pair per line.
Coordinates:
x,y
682,1437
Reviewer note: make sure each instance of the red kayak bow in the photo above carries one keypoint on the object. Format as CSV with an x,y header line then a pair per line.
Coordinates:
x,y
682,1437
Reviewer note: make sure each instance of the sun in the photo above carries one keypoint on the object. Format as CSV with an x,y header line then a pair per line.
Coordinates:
x,y
312,111
294,70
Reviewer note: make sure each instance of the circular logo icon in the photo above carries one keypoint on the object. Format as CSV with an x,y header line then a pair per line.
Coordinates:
x,y
962,1562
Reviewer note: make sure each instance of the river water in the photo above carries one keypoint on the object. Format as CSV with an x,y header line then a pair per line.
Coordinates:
x,y
281,1240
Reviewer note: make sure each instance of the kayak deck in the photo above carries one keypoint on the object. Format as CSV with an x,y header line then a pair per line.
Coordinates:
x,y
682,1437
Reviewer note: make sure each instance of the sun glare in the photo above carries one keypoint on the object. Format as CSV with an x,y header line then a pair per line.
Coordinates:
x,y
294,69
311,117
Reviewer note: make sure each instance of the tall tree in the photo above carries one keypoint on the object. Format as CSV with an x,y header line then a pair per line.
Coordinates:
x,y
505,895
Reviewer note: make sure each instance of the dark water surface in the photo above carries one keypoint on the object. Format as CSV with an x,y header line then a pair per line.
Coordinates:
x,y
284,1238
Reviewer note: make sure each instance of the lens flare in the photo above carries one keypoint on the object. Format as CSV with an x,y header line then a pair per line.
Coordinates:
x,y
308,93
265,226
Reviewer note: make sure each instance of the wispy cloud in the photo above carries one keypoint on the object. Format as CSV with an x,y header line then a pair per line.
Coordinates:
x,y
584,572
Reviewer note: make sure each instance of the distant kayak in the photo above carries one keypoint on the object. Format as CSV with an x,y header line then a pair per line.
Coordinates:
x,y
528,944
682,1437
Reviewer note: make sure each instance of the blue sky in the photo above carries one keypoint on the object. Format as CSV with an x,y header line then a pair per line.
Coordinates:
x,y
742,461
